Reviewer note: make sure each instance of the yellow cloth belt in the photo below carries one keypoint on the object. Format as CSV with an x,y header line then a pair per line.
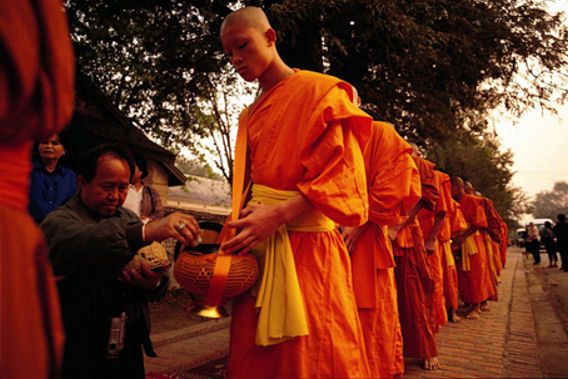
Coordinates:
x,y
447,246
282,315
468,248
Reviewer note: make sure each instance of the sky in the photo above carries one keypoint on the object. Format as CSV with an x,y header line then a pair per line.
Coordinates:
x,y
540,146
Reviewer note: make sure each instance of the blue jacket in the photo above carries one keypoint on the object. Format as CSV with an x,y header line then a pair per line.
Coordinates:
x,y
49,190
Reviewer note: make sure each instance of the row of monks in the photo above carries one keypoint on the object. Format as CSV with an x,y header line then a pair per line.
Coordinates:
x,y
451,245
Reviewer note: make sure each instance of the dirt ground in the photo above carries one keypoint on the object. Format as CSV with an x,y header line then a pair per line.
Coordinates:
x,y
171,312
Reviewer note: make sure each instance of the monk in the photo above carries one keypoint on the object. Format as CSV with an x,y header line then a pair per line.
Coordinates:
x,y
472,271
413,276
391,173
431,223
453,224
36,100
492,235
300,145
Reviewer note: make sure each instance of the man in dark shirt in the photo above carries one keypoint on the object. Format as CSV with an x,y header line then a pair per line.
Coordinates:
x,y
561,233
91,238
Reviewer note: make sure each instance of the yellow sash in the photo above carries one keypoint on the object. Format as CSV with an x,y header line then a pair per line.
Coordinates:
x,y
447,247
282,315
468,248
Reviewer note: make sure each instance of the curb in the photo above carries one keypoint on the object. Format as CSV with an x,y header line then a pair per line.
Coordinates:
x,y
551,337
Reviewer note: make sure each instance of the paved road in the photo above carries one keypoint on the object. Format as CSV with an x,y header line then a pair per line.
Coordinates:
x,y
522,335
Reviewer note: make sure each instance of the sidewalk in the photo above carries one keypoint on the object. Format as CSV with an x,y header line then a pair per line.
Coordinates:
x,y
508,341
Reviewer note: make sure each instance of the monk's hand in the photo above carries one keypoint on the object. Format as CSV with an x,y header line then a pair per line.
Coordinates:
x,y
430,245
393,231
146,278
182,227
257,222
351,235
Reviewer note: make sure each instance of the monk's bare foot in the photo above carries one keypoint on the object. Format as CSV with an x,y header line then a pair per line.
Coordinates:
x,y
473,315
484,308
455,318
431,364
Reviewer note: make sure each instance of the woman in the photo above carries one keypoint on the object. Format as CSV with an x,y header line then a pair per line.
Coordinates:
x,y
51,184
547,237
143,200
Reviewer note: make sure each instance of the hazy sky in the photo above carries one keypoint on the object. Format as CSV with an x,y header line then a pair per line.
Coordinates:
x,y
540,145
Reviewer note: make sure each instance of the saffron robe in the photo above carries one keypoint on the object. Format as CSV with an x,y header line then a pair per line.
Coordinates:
x,y
455,224
494,222
473,284
413,277
306,135
390,172
426,218
36,100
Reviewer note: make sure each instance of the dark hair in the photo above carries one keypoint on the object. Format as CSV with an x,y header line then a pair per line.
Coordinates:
x,y
141,163
561,217
88,161
547,224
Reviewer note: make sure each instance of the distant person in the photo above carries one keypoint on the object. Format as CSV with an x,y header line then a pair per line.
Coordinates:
x,y
561,233
143,200
91,238
533,242
547,237
51,183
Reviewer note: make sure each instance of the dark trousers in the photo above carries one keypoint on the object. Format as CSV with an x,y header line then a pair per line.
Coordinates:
x,y
534,246
564,256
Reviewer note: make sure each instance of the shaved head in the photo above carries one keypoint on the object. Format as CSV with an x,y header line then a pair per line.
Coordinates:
x,y
457,187
252,17
415,150
468,187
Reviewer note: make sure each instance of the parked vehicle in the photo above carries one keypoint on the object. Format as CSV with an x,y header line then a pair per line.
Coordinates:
x,y
521,237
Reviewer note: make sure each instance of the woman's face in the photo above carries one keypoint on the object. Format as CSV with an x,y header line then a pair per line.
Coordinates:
x,y
51,148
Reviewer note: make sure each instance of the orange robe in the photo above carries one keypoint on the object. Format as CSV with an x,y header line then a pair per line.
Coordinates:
x,y
306,135
426,218
473,284
453,224
390,171
36,100
413,276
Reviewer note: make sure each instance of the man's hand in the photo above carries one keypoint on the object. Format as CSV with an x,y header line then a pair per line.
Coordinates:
x,y
257,222
351,235
171,226
145,278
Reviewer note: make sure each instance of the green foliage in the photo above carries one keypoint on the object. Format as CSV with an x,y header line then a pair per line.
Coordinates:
x,y
548,204
430,67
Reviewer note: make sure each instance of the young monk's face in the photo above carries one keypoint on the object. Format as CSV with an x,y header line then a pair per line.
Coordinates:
x,y
248,50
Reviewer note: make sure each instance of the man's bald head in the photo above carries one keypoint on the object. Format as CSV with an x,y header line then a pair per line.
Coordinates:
x,y
252,17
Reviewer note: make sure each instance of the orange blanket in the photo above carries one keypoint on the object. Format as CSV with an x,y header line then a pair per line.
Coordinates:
x,y
390,171
36,99
306,135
